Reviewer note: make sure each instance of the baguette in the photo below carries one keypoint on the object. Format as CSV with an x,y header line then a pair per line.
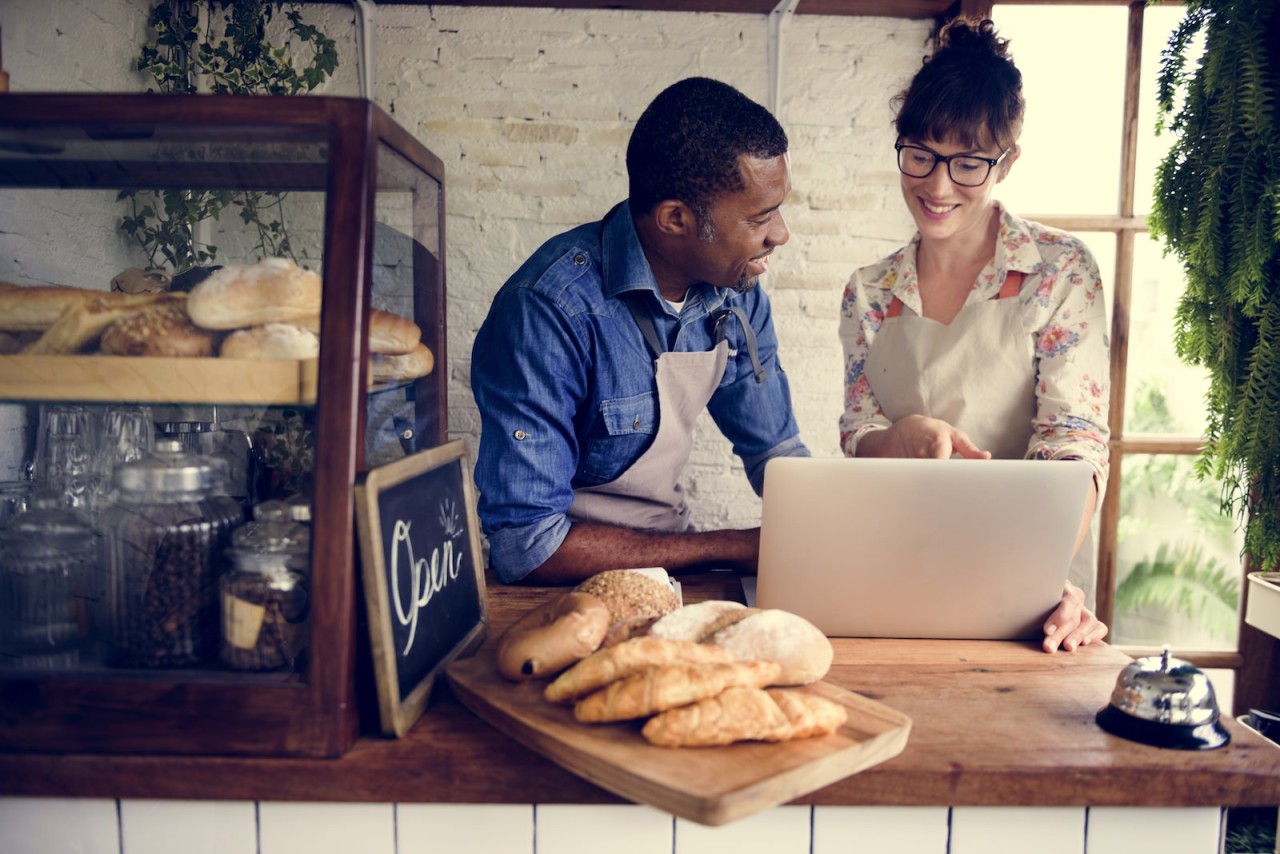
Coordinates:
x,y
36,308
745,714
406,366
607,665
657,689
389,334
83,321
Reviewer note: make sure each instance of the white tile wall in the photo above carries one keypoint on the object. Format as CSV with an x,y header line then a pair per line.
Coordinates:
x,y
65,826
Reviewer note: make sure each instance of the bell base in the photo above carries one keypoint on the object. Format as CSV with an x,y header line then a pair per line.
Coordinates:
x,y
1208,736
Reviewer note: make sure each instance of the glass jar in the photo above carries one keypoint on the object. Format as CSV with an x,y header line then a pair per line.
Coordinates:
x,y
264,597
165,536
51,586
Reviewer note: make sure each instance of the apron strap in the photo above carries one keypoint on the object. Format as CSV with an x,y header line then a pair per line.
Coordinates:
x,y
645,321
1011,288
753,349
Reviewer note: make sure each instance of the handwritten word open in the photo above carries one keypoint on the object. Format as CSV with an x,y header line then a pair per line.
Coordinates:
x,y
426,578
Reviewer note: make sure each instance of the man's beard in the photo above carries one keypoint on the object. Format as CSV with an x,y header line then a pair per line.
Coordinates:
x,y
745,283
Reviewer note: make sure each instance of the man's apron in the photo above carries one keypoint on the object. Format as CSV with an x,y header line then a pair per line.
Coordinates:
x,y
977,374
648,495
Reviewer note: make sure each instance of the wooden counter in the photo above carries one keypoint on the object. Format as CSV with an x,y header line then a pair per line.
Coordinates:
x,y
993,724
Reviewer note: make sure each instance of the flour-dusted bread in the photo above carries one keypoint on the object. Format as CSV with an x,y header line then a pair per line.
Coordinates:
x,y
798,645
274,290
416,363
271,341
158,330
656,689
699,621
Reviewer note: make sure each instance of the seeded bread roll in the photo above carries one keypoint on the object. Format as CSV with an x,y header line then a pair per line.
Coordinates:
x,y
161,330
274,290
631,594
271,341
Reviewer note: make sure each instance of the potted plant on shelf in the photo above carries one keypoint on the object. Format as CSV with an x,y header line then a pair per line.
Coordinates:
x,y
221,47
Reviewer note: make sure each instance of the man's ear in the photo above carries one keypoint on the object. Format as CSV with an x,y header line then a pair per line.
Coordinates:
x,y
675,218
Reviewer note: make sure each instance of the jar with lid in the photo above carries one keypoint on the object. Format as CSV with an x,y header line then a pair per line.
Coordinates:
x,y
165,536
264,596
51,586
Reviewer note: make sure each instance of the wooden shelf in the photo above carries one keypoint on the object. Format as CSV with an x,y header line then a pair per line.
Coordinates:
x,y
107,379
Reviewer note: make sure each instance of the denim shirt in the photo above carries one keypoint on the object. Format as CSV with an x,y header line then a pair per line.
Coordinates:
x,y
566,388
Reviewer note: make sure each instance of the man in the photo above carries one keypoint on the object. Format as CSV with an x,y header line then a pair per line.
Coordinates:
x,y
601,351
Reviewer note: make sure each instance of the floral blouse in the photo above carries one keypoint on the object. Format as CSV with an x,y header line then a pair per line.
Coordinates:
x,y
1063,312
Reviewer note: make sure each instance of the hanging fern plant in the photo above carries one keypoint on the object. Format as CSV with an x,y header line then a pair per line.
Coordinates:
x,y
1217,207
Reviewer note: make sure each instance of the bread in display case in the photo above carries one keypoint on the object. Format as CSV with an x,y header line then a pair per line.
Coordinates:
x,y
203,300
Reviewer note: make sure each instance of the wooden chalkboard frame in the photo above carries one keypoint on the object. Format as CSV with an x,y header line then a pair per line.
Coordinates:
x,y
401,703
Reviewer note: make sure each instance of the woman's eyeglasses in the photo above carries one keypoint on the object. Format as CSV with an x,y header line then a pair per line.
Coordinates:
x,y
964,169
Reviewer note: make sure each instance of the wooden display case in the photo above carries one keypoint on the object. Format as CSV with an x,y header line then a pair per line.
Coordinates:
x,y
369,216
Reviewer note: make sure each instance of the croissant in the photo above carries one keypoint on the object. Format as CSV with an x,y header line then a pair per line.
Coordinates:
x,y
656,689
745,714
608,665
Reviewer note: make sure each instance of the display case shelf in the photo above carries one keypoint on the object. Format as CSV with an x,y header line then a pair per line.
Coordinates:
x,y
371,199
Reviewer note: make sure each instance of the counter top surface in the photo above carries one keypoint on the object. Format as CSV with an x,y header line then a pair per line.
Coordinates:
x,y
992,723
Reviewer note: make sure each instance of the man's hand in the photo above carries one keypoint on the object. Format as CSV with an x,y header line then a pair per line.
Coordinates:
x,y
920,436
1072,625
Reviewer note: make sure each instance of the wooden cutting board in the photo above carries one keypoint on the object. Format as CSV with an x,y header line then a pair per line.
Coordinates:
x,y
709,785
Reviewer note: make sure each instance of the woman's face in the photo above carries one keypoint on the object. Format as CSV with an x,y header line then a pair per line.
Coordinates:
x,y
945,210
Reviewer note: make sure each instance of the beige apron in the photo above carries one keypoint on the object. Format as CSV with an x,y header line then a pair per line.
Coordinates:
x,y
977,374
648,495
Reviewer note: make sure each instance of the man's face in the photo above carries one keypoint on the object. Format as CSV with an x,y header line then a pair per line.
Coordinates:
x,y
734,241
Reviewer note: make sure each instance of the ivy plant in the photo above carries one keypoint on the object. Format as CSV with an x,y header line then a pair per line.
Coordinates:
x,y
1217,208
221,47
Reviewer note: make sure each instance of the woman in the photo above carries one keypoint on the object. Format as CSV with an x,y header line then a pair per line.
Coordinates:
x,y
985,336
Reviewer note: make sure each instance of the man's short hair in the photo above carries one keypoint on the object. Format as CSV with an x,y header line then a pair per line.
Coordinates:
x,y
686,144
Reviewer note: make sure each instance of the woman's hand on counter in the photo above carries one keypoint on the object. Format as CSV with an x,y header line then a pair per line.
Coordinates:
x,y
1072,625
919,436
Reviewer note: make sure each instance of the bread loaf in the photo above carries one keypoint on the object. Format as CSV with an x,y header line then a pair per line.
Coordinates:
x,y
274,290
608,665
698,622
408,366
631,594
159,330
798,645
82,322
389,334
745,714
657,689
271,341
36,308
552,636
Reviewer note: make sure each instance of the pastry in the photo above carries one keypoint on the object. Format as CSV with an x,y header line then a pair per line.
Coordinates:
x,y
656,689
607,665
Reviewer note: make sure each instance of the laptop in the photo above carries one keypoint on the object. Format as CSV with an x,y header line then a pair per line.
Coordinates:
x,y
913,548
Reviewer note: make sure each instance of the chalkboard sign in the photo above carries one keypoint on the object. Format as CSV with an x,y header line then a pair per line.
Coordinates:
x,y
423,575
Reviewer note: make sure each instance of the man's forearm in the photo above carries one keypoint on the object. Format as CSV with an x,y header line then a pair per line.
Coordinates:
x,y
592,547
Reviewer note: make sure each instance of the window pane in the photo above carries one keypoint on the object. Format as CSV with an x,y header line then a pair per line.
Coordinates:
x,y
1177,558
1070,161
1163,393
1158,22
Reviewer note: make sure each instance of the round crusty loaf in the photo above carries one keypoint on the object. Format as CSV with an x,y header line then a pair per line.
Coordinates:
x,y
159,330
789,639
408,366
271,341
697,622
274,290
630,594
389,334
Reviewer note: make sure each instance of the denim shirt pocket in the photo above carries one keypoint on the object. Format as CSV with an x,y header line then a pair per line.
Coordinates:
x,y
625,429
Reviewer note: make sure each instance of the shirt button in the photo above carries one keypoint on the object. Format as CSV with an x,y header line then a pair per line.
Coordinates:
x,y
520,434
635,425
579,259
